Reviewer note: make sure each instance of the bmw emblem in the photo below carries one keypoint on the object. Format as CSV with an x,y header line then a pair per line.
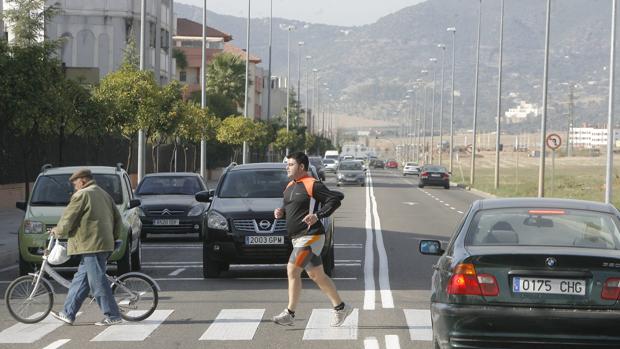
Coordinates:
x,y
551,262
264,224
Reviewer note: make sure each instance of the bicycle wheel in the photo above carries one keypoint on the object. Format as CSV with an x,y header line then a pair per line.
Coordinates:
x,y
136,296
28,309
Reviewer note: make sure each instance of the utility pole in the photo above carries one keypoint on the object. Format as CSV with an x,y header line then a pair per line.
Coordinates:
x,y
569,146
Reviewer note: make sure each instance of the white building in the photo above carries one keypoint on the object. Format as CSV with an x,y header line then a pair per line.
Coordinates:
x,y
589,137
96,32
521,112
278,96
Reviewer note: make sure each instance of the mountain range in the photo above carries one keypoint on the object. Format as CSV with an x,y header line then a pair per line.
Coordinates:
x,y
369,68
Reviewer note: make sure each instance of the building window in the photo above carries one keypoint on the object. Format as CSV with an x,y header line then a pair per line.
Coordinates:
x,y
152,34
183,76
164,39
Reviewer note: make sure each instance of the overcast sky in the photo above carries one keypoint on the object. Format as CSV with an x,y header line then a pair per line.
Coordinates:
x,y
336,12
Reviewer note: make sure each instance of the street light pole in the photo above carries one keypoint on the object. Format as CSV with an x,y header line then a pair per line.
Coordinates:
x,y
499,94
314,110
203,90
443,59
269,73
453,30
247,81
141,140
288,79
308,107
610,114
432,147
300,44
473,149
543,119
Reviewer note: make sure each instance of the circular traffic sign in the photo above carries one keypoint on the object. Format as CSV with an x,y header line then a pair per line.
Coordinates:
x,y
554,141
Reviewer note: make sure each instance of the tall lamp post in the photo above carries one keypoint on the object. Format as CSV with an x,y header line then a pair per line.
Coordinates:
x,y
300,45
419,83
203,90
610,114
475,126
499,94
543,122
424,140
314,110
443,60
308,107
289,28
269,71
247,81
141,139
453,31
432,147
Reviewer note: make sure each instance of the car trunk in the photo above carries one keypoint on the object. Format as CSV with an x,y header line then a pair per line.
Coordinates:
x,y
547,276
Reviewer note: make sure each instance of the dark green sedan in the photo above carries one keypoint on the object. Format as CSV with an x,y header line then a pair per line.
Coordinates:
x,y
528,272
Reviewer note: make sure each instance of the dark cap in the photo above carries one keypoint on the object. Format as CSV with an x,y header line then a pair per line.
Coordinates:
x,y
81,173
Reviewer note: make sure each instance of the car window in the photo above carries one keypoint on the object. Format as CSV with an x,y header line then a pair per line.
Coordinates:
x,y
170,185
56,190
435,168
544,227
350,166
254,184
328,161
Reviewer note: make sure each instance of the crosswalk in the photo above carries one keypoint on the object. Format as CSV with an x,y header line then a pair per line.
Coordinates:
x,y
229,325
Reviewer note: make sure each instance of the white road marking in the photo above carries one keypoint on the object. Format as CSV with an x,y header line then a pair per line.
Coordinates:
x,y
177,272
30,333
392,342
369,263
371,343
387,300
348,260
348,245
133,331
461,212
57,344
318,327
452,208
9,268
447,204
419,323
234,324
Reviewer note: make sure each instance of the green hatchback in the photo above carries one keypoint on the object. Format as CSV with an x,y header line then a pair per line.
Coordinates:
x,y
51,194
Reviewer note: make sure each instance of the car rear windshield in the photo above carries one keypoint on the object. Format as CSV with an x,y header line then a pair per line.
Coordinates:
x,y
544,227
254,184
56,190
435,169
170,185
350,166
329,161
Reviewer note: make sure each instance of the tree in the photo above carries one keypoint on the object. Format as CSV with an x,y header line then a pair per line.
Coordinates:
x,y
180,58
195,124
27,19
295,120
235,130
162,125
226,77
286,139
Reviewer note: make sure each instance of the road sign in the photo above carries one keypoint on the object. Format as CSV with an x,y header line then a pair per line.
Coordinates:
x,y
554,141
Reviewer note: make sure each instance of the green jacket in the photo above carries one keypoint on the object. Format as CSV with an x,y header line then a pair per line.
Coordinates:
x,y
91,221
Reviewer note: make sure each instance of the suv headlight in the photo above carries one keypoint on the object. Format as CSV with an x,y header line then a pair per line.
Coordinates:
x,y
33,227
216,221
196,211
340,176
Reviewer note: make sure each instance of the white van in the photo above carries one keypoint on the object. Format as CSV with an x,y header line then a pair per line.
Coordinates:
x,y
331,154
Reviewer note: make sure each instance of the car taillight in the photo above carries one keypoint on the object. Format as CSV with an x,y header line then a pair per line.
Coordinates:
x,y
424,174
611,289
446,176
464,281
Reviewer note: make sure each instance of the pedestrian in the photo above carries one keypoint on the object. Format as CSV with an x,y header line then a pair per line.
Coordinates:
x,y
301,199
92,223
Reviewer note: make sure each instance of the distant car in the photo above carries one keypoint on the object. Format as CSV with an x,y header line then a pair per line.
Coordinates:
x,y
434,175
347,157
350,172
528,273
168,203
411,168
317,162
330,165
391,164
377,163
241,228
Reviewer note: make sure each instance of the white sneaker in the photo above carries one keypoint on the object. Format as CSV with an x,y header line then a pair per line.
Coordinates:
x,y
62,317
284,318
109,322
339,316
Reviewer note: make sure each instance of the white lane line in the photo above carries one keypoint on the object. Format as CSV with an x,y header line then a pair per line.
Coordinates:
x,y
441,201
461,212
419,323
177,272
348,245
387,300
57,344
452,208
9,268
392,342
446,204
371,343
347,264
369,263
318,327
30,333
234,324
348,260
133,331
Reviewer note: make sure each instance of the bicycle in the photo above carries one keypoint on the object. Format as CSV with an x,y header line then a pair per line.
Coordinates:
x,y
30,298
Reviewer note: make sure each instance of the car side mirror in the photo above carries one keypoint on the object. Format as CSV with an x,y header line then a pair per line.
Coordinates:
x,y
431,247
134,203
21,205
204,196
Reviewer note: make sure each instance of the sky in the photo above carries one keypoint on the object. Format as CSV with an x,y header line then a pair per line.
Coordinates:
x,y
334,12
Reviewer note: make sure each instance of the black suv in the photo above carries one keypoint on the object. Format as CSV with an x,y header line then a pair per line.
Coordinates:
x,y
240,225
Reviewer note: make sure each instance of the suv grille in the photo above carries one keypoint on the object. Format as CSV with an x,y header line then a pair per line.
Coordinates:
x,y
251,225
167,212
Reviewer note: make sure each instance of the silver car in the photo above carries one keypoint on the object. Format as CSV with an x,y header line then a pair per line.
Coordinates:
x,y
350,172
331,165
411,168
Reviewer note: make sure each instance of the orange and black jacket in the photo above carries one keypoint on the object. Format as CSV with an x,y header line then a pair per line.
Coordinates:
x,y
297,205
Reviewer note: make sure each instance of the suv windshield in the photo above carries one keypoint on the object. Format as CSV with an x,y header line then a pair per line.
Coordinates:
x,y
254,184
56,190
350,166
169,185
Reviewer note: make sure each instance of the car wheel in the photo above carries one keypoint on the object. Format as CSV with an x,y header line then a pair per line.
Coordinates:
x,y
25,267
210,268
123,265
136,257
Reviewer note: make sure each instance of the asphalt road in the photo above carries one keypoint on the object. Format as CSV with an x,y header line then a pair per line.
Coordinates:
x,y
378,270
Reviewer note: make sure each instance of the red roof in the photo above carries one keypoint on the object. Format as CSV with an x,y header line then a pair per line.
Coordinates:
x,y
230,48
185,27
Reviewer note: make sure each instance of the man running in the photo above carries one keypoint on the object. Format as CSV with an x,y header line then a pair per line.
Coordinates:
x,y
301,199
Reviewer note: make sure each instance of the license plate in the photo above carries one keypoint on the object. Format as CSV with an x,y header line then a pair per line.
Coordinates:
x,y
165,222
264,240
435,175
550,286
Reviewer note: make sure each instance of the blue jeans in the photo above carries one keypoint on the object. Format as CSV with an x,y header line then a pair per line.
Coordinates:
x,y
91,278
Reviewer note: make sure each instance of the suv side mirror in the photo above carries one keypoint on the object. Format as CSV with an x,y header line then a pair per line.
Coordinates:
x,y
204,196
21,205
134,203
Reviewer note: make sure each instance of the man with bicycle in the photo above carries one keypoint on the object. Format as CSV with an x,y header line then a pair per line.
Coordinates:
x,y
92,223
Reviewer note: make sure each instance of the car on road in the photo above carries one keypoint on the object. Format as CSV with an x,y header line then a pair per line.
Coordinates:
x,y
330,165
241,228
391,164
317,162
434,175
528,272
411,168
376,163
350,172
50,196
168,203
